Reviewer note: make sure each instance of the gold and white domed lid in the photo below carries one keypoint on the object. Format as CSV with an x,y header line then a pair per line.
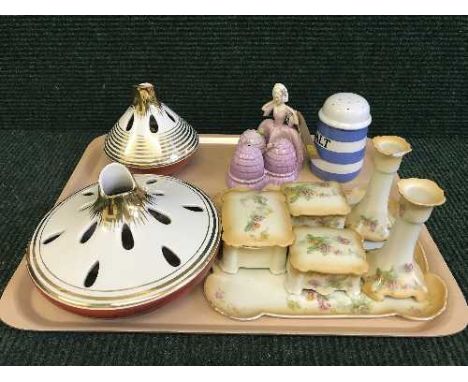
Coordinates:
x,y
149,135
124,243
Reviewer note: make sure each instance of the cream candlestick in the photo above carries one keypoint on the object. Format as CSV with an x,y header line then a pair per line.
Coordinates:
x,y
370,217
393,271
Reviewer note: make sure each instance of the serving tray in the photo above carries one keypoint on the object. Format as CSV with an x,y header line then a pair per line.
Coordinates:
x,y
23,307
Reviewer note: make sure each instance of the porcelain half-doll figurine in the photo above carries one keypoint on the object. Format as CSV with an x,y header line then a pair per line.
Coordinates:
x,y
283,122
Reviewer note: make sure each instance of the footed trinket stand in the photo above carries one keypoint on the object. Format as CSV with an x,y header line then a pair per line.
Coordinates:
x,y
331,269
370,217
393,270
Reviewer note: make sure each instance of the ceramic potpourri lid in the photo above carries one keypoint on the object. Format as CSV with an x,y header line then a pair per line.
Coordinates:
x,y
150,136
124,244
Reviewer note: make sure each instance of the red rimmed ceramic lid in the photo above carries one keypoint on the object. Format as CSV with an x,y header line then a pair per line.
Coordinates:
x,y
124,243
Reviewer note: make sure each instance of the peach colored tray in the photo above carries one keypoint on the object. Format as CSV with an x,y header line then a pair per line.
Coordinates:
x,y
22,307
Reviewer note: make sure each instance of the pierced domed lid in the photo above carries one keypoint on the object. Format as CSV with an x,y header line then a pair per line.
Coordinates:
x,y
149,134
347,111
116,245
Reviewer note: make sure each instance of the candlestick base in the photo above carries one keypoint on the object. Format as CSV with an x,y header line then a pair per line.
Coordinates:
x,y
374,229
399,281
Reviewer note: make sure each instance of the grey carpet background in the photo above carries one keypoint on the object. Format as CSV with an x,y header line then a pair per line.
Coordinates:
x,y
65,80
76,73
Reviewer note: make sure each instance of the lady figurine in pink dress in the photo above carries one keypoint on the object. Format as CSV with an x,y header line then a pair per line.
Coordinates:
x,y
283,122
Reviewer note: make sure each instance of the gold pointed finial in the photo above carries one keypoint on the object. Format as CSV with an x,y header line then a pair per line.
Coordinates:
x,y
144,96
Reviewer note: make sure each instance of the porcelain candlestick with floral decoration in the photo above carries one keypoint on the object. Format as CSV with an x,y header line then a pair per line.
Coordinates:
x,y
370,217
393,271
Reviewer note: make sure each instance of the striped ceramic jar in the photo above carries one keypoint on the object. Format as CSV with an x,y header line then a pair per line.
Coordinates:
x,y
341,137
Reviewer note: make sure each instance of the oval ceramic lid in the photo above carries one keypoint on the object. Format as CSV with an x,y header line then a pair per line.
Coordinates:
x,y
123,242
149,134
347,111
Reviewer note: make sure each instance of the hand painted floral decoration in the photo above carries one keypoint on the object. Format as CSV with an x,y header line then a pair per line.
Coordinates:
x,y
261,211
327,245
309,191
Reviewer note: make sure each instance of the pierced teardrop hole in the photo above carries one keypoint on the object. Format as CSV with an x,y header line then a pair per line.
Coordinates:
x,y
151,181
85,206
153,124
172,259
92,275
171,117
193,208
89,193
127,237
130,123
51,238
160,217
88,233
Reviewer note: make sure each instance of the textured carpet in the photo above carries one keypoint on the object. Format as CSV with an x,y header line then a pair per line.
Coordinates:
x,y
218,71
64,81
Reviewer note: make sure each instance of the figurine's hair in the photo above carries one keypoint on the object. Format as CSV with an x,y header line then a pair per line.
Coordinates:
x,y
278,87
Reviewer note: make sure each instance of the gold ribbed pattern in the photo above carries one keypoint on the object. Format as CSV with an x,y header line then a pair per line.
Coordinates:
x,y
152,150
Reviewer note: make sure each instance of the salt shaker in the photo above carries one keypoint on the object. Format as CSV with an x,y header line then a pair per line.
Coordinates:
x,y
341,137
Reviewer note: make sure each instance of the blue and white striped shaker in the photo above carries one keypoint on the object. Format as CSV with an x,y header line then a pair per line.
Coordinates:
x,y
341,137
